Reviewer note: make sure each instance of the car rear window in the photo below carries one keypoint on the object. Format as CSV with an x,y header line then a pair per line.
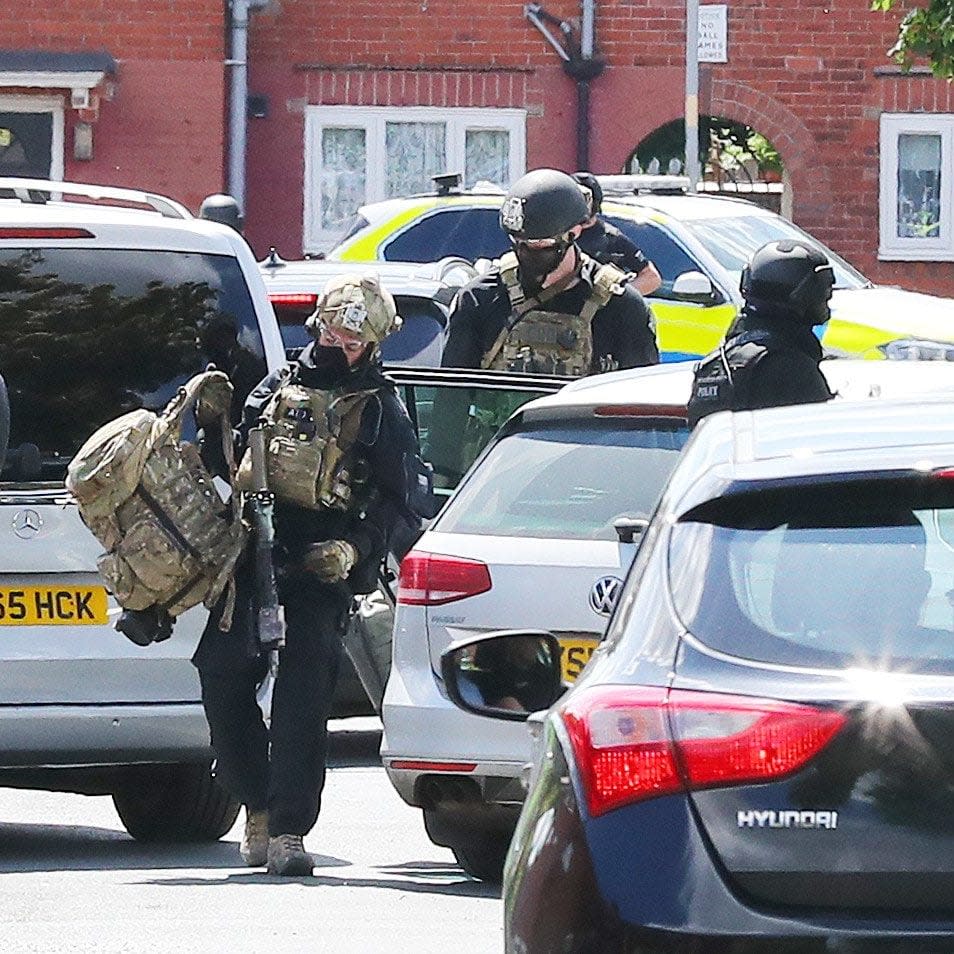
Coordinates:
x,y
89,334
855,573
570,481
468,233
418,342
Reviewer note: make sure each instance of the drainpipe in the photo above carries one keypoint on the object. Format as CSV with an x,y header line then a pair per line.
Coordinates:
x,y
238,96
579,62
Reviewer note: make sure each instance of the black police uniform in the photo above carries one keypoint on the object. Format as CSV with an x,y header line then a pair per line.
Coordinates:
x,y
774,362
789,371
622,330
608,245
282,769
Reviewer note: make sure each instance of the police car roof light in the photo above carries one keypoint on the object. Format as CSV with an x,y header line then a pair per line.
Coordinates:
x,y
447,182
633,184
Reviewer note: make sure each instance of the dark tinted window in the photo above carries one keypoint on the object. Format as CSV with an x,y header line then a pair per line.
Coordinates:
x,y
418,342
87,335
566,482
670,259
455,424
469,233
855,574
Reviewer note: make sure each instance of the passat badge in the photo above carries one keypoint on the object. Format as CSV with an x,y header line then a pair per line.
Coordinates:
x,y
511,214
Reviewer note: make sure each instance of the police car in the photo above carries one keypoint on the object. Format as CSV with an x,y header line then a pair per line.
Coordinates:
x,y
110,299
699,243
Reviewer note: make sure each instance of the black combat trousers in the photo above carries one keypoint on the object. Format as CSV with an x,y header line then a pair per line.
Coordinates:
x,y
280,768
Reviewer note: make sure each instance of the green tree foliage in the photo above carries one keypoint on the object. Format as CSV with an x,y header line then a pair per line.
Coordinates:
x,y
926,32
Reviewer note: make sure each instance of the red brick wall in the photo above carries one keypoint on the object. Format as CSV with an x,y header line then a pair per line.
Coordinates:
x,y
164,129
801,73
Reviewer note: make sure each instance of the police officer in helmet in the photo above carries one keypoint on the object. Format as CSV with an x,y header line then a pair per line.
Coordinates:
x,y
606,243
545,306
771,355
334,515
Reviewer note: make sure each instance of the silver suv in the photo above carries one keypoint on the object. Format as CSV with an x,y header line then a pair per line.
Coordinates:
x,y
109,300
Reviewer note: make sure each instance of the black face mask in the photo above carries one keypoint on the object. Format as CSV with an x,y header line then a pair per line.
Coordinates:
x,y
329,366
537,263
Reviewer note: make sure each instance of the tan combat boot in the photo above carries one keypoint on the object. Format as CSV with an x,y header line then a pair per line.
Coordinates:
x,y
254,847
287,856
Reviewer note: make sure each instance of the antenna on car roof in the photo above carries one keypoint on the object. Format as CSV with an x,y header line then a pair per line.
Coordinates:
x,y
273,260
447,182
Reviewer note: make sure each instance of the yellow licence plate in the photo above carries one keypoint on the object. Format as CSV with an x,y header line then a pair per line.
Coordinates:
x,y
53,605
574,655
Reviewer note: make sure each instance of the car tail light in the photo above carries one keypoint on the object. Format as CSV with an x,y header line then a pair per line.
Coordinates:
x,y
294,299
634,743
429,579
14,232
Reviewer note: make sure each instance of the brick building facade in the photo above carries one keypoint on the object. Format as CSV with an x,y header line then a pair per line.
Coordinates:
x,y
480,84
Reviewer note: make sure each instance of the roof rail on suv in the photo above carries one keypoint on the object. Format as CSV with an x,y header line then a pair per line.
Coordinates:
x,y
40,191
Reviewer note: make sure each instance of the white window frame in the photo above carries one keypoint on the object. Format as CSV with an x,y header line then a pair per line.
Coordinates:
x,y
373,119
42,104
892,247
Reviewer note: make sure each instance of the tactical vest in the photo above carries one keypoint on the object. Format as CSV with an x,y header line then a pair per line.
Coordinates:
x,y
170,539
547,342
723,378
310,437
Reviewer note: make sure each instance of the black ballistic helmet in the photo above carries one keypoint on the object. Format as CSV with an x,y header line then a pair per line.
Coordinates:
x,y
793,275
221,208
589,181
543,204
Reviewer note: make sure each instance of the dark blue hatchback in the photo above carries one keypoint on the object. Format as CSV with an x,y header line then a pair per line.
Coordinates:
x,y
760,755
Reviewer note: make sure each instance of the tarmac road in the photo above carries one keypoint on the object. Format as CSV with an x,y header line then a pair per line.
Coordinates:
x,y
71,880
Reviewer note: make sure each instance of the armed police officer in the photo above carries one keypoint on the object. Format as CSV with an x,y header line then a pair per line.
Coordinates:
x,y
771,355
606,243
340,458
545,306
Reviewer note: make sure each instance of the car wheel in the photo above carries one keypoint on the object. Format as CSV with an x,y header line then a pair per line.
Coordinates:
x,y
175,803
480,848
482,859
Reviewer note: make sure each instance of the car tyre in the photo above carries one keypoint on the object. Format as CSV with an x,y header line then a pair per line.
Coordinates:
x,y
480,849
482,858
175,803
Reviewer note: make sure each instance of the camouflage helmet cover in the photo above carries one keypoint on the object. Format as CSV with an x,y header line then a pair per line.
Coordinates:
x,y
358,305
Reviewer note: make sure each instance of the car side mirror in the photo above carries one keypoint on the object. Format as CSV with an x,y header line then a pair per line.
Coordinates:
x,y
695,287
505,674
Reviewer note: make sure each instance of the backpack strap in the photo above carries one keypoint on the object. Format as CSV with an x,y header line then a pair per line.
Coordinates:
x,y
607,282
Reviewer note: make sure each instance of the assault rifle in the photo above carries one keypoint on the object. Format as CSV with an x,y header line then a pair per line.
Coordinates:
x,y
271,614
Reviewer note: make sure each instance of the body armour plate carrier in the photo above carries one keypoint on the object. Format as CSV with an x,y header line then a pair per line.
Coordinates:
x,y
548,342
310,435
723,378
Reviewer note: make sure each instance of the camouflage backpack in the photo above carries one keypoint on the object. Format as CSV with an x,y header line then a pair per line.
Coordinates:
x,y
170,539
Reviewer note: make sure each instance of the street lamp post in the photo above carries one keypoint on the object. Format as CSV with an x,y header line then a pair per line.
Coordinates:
x,y
692,93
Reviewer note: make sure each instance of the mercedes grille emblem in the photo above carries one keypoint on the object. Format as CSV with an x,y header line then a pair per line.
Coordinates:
x,y
604,594
26,524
